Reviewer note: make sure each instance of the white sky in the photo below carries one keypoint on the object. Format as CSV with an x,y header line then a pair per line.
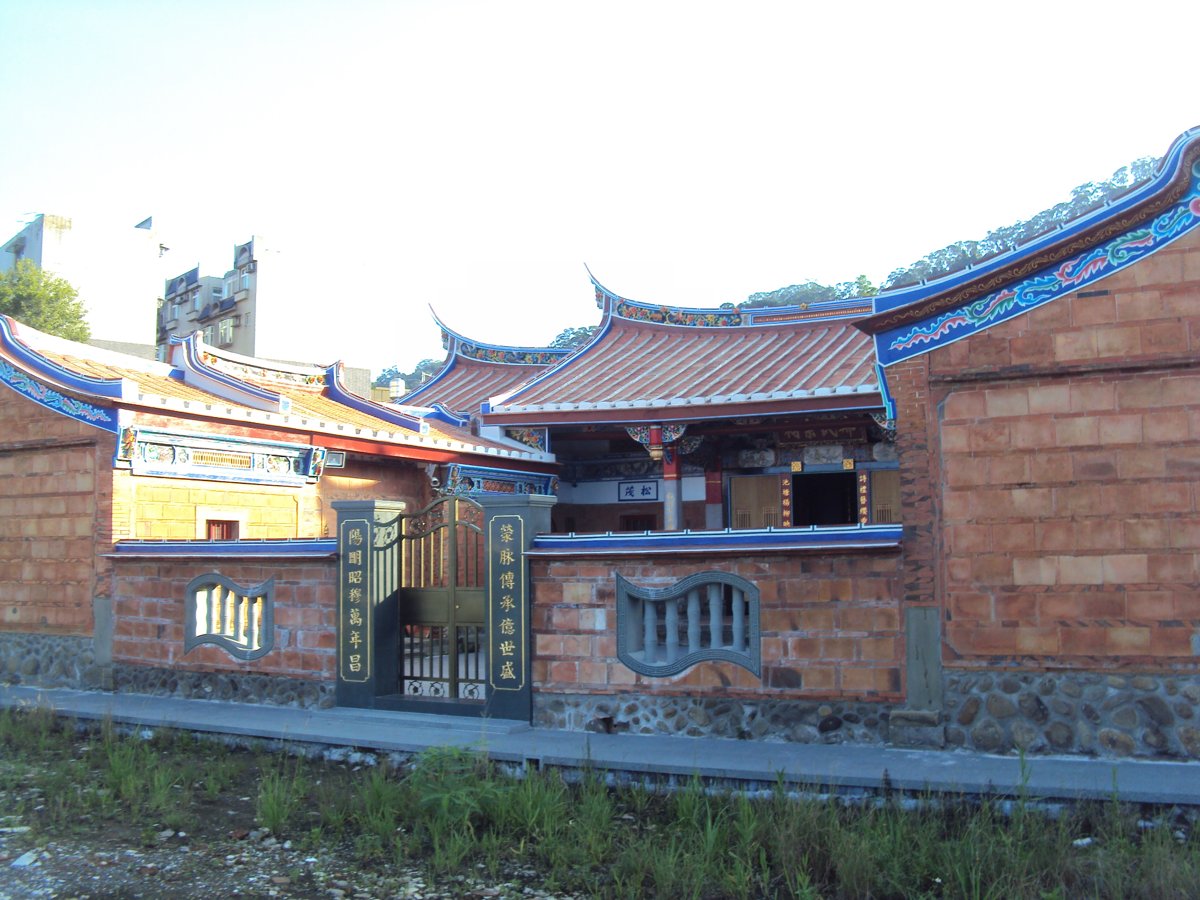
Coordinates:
x,y
474,155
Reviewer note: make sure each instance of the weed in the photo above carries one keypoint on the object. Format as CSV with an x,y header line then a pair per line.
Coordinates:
x,y
280,794
453,789
452,810
534,807
450,849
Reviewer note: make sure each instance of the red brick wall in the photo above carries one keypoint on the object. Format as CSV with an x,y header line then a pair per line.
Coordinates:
x,y
830,627
55,504
1064,460
148,603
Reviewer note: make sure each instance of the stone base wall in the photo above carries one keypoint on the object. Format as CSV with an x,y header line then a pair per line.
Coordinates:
x,y
49,660
788,720
239,688
1074,712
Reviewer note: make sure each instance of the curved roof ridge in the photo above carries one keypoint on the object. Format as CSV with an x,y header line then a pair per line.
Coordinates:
x,y
1170,182
458,344
267,369
33,350
618,307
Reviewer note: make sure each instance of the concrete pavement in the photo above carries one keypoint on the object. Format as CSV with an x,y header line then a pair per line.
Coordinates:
x,y
817,767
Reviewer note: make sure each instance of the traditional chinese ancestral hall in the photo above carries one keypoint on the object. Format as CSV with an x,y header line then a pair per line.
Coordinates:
x,y
962,513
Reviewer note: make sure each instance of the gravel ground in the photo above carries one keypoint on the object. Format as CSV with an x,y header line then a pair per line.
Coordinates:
x,y
252,866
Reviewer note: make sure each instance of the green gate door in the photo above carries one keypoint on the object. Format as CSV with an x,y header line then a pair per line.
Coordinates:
x,y
442,635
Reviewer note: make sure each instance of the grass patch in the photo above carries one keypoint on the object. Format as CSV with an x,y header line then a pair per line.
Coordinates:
x,y
451,813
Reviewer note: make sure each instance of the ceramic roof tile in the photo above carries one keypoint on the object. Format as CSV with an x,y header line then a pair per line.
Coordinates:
x,y
642,364
149,383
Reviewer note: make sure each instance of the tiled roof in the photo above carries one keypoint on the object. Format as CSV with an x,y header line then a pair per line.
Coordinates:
x,y
475,371
160,387
638,369
465,384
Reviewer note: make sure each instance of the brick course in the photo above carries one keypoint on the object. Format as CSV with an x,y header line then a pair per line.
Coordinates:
x,y
148,605
830,627
1062,484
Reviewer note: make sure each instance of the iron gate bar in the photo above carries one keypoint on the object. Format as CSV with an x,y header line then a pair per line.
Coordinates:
x,y
442,629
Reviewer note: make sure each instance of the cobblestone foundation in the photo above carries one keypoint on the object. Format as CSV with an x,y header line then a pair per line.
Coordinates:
x,y
1069,712
277,691
49,660
801,721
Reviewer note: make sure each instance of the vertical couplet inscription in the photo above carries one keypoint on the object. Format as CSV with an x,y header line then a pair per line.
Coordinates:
x,y
354,625
507,635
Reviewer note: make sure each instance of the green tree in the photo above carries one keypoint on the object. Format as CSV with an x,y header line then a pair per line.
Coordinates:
x,y
43,301
573,337
1084,199
385,377
863,288
421,373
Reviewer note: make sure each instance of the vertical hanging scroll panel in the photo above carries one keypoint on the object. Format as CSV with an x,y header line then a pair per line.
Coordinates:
x,y
367,600
512,521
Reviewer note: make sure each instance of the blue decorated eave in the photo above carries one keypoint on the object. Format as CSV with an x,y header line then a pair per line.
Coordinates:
x,y
1086,249
317,548
459,345
197,361
683,543
336,390
30,357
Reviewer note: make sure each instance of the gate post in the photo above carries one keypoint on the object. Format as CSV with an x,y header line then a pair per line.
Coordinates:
x,y
368,589
510,523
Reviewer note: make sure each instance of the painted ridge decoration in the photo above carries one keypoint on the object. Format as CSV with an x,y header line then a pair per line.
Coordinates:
x,y
530,437
1071,275
170,454
473,480
240,370
513,356
665,315
99,416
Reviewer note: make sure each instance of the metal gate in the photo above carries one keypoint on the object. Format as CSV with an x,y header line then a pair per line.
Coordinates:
x,y
441,606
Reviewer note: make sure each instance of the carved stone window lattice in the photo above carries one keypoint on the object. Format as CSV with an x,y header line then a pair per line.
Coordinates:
x,y
706,616
240,620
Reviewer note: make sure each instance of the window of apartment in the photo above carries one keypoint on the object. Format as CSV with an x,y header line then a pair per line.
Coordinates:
x,y
245,281
225,330
218,292
174,310
210,335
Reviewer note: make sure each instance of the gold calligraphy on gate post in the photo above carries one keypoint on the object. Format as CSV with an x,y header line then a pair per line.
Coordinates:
x,y
354,625
506,602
